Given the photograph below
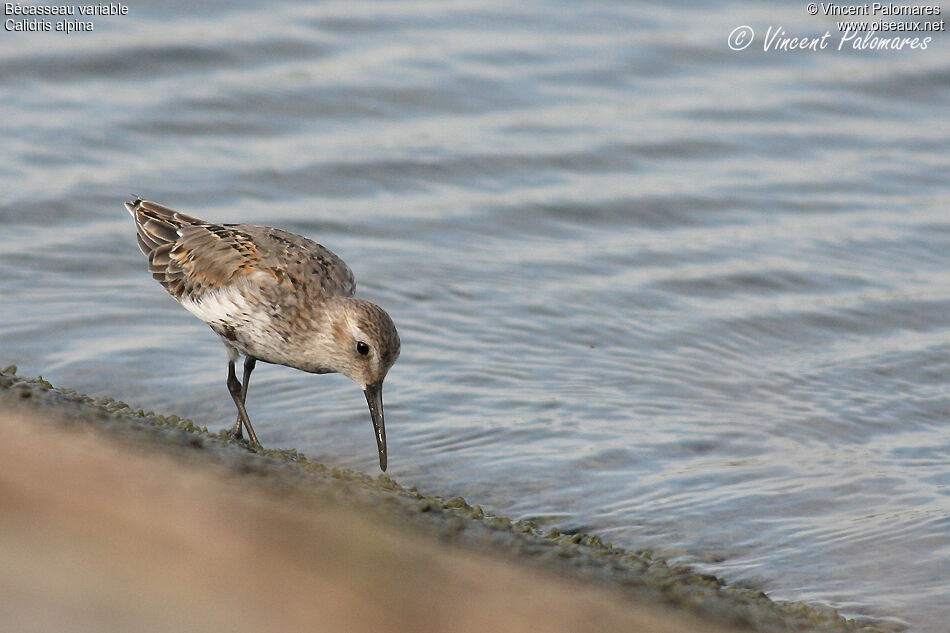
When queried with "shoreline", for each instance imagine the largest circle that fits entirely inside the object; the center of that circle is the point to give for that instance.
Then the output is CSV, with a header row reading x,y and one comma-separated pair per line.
x,y
478,571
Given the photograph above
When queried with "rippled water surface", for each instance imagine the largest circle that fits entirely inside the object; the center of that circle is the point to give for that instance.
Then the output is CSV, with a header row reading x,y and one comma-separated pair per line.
x,y
688,298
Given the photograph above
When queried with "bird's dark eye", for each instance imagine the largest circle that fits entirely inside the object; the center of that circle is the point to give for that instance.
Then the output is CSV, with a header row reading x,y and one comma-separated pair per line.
x,y
362,348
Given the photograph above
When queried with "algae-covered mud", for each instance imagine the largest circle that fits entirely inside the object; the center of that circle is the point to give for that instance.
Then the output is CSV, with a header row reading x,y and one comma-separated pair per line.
x,y
447,563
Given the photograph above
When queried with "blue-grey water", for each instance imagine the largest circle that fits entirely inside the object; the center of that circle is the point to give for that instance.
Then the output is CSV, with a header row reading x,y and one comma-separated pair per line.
x,y
689,298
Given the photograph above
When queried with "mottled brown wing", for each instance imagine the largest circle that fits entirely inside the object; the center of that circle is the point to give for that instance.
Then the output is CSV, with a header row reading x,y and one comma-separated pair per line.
x,y
190,256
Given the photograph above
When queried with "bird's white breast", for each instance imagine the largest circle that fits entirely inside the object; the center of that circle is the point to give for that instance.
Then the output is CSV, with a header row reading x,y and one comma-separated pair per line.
x,y
251,328
223,306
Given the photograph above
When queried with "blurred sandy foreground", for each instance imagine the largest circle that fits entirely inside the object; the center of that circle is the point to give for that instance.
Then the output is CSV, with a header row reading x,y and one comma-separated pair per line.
x,y
110,523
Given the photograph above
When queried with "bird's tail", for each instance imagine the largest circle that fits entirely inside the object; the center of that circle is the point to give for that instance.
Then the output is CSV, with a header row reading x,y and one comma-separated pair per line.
x,y
133,205
157,225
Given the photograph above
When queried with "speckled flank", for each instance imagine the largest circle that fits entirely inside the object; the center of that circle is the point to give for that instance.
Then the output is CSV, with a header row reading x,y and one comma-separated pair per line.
x,y
272,296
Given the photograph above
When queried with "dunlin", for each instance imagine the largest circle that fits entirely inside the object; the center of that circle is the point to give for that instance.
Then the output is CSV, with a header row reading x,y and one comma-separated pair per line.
x,y
271,296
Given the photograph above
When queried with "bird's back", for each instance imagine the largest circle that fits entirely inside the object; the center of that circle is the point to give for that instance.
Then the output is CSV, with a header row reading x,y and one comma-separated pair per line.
x,y
191,257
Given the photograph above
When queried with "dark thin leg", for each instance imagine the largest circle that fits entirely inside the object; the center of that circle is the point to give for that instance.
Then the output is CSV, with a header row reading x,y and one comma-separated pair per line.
x,y
235,431
238,394
249,363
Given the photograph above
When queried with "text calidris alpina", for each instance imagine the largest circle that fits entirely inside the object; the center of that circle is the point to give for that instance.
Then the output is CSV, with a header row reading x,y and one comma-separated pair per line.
x,y
272,296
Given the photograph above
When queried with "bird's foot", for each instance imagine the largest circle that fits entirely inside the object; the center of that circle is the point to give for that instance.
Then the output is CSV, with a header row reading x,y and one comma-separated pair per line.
x,y
238,438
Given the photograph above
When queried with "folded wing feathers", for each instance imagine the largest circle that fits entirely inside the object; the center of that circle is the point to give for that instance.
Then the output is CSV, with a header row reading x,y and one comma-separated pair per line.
x,y
175,242
190,256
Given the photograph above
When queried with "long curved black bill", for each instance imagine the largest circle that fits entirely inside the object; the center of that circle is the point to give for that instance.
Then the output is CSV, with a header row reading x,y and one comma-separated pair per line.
x,y
374,398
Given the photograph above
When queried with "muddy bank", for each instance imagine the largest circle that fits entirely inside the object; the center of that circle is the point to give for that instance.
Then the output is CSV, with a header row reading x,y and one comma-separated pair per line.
x,y
114,519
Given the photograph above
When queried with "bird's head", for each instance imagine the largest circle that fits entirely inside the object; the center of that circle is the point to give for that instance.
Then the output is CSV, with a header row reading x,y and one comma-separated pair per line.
x,y
367,345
